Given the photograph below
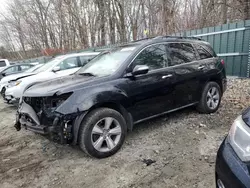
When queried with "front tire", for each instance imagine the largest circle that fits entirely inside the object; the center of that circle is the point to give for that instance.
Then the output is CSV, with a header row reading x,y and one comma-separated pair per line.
x,y
102,132
210,98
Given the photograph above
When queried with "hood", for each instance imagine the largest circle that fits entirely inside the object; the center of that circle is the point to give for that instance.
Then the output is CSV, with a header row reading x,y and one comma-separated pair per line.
x,y
58,85
16,76
246,116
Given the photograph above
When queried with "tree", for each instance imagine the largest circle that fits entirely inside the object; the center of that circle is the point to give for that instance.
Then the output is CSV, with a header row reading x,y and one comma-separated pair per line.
x,y
30,27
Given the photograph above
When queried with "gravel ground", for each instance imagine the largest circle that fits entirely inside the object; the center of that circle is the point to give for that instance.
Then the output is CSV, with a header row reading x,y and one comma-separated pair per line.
x,y
182,144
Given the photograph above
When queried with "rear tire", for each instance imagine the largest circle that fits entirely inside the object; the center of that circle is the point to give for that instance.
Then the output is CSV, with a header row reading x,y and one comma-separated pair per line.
x,y
102,132
210,98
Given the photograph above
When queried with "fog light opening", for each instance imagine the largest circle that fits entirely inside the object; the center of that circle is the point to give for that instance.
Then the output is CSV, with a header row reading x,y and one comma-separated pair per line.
x,y
220,184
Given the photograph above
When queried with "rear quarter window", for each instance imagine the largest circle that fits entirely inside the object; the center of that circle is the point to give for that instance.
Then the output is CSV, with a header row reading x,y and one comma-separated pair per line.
x,y
203,52
209,49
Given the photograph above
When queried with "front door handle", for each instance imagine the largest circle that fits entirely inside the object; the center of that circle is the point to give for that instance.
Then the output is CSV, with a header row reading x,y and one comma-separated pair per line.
x,y
167,76
201,67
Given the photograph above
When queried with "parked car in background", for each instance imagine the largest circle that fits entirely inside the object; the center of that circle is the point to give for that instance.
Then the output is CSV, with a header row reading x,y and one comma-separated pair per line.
x,y
96,106
14,77
233,157
35,63
58,67
4,63
14,69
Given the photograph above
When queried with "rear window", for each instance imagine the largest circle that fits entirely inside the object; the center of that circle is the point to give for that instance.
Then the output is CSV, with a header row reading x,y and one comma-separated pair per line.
x,y
2,64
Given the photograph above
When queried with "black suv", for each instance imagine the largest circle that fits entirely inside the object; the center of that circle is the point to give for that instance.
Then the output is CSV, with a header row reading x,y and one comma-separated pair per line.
x,y
96,106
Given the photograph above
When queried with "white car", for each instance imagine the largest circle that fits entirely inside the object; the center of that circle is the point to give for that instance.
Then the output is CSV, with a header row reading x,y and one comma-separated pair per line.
x,y
11,78
57,67
4,63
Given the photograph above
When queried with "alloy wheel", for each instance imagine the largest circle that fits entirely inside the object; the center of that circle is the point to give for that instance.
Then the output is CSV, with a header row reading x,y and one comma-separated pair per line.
x,y
213,98
106,134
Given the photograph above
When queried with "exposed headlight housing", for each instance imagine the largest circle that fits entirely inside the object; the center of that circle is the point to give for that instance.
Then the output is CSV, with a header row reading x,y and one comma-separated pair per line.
x,y
239,139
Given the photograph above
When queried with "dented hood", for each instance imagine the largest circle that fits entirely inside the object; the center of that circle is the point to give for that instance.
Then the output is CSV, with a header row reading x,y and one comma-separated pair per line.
x,y
57,86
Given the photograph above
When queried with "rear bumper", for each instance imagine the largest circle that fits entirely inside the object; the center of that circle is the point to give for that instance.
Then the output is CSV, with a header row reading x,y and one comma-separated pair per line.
x,y
230,169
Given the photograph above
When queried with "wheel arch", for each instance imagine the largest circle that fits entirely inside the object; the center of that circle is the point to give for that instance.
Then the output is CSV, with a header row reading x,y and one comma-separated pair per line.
x,y
118,107
218,79
112,105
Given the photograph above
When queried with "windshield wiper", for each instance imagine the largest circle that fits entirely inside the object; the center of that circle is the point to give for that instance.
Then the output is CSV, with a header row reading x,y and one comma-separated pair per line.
x,y
87,74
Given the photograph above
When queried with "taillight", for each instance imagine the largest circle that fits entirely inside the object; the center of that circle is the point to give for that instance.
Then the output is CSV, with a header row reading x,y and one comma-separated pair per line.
x,y
222,62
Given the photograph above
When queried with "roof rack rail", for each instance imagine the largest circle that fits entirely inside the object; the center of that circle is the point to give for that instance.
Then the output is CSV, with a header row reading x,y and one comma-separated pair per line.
x,y
179,37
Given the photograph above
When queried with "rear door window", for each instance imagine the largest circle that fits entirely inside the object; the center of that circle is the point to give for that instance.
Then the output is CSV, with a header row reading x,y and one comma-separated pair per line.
x,y
155,57
204,54
2,64
180,53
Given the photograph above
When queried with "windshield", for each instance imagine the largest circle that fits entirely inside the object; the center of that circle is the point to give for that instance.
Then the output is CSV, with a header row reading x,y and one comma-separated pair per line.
x,y
47,65
33,69
107,63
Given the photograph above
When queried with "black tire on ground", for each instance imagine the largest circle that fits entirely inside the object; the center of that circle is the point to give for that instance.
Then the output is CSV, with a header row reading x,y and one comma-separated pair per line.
x,y
87,125
202,105
3,92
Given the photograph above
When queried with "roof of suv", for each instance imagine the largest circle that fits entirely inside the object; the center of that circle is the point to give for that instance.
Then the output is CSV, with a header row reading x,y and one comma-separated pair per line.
x,y
152,40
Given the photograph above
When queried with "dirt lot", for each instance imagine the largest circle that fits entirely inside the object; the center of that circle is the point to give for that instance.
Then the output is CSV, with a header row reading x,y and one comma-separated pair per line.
x,y
183,144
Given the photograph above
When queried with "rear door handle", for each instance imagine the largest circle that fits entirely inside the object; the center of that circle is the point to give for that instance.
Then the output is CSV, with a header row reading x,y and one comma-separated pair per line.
x,y
201,67
167,76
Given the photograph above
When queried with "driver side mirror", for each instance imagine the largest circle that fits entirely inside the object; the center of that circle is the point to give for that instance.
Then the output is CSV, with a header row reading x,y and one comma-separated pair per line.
x,y
140,69
3,74
56,69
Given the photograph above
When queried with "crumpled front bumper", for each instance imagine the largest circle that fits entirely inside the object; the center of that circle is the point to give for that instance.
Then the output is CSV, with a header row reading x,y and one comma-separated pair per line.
x,y
62,129
28,118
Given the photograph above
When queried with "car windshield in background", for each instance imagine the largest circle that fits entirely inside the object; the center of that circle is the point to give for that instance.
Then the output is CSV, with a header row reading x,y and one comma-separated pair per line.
x,y
108,63
47,65
33,69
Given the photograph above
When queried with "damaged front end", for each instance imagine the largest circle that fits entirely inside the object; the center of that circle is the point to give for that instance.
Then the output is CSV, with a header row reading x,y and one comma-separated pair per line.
x,y
38,114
